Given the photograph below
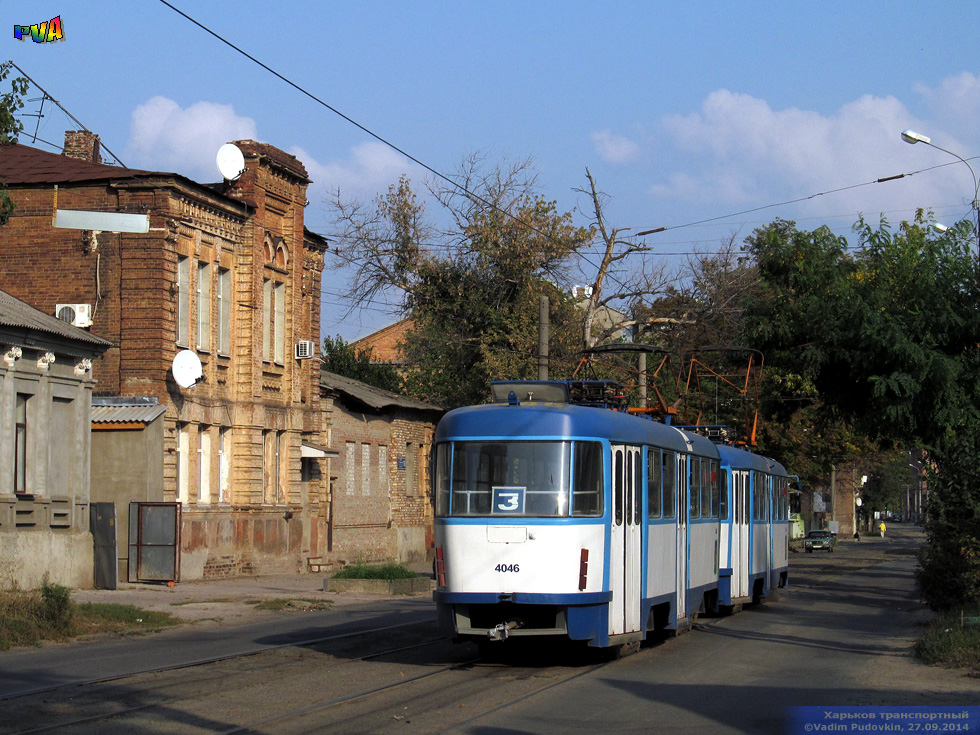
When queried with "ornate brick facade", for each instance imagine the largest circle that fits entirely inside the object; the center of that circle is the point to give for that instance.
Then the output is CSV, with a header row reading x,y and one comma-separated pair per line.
x,y
227,271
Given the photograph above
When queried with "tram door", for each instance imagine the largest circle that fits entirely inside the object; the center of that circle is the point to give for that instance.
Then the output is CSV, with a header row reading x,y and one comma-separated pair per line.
x,y
740,535
769,509
683,509
625,546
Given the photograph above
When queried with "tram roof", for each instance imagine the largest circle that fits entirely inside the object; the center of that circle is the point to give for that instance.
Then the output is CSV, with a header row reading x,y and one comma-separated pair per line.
x,y
561,421
741,459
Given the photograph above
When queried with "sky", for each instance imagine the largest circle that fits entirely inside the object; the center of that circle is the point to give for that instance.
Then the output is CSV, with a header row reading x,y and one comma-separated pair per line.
x,y
725,114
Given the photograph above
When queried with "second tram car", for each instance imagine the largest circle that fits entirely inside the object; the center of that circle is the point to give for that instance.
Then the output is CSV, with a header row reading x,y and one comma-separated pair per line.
x,y
558,517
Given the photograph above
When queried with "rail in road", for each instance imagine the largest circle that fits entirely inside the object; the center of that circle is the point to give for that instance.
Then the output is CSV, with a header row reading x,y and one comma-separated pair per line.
x,y
840,635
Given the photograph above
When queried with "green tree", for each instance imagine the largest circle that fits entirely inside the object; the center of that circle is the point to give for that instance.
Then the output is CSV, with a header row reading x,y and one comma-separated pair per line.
x,y
10,126
888,483
341,358
472,289
884,334
887,337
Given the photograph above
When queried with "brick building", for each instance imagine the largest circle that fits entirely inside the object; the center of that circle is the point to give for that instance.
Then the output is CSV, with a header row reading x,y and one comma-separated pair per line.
x,y
384,344
227,271
379,484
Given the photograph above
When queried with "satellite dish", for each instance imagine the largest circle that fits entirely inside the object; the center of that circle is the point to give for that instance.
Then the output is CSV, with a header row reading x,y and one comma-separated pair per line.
x,y
187,369
231,162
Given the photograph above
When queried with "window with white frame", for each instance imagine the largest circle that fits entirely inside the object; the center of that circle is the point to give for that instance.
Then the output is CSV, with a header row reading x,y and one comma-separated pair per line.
x,y
183,299
204,306
224,464
279,322
280,460
183,463
224,311
204,465
276,257
20,444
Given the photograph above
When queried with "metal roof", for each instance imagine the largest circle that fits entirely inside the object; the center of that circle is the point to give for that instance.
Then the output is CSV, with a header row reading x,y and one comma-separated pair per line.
x,y
22,164
125,414
370,396
15,313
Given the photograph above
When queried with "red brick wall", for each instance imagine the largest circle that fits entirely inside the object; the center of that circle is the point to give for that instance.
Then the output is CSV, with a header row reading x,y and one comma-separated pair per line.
x,y
385,514
383,344
130,280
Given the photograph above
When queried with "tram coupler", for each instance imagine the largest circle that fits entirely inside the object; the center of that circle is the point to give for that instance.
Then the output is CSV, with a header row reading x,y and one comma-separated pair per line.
x,y
502,630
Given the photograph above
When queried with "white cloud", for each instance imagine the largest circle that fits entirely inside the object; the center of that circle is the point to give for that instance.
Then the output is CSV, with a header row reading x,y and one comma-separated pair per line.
x,y
740,152
615,148
165,137
957,103
369,170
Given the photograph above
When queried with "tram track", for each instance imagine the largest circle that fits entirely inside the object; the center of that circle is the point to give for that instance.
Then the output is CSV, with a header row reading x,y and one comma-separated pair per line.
x,y
445,698
319,686
404,676
202,661
123,703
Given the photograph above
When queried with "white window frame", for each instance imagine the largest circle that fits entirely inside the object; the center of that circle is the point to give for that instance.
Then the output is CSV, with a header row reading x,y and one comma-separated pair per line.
x,y
203,306
183,299
224,311
224,464
183,463
204,465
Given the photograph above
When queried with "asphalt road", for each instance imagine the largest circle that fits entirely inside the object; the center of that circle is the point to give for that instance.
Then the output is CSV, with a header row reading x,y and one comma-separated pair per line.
x,y
840,635
26,670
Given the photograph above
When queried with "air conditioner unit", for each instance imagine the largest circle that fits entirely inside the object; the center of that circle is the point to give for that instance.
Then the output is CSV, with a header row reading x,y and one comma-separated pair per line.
x,y
78,315
305,349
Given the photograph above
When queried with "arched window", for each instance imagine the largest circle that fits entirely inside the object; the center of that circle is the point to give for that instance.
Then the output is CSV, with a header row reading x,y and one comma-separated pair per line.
x,y
276,256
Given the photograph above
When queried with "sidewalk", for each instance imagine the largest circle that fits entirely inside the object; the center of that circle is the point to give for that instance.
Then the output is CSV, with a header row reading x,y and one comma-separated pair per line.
x,y
230,600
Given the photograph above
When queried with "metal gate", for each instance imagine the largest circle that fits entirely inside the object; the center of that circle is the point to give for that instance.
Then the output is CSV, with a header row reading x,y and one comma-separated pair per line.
x,y
102,524
154,542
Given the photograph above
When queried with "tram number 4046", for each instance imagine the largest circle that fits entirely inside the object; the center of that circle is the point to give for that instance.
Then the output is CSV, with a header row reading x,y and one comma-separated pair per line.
x,y
507,568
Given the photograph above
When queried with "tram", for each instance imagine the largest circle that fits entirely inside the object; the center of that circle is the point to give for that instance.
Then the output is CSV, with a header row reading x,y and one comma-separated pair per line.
x,y
556,516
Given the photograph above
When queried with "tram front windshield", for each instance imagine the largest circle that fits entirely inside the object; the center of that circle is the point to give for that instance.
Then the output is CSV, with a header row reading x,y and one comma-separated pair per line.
x,y
546,479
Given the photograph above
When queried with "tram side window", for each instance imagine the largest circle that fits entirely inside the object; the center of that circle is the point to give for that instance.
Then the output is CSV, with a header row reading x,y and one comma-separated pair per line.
x,y
669,474
708,497
442,480
654,491
714,479
587,484
757,497
695,486
722,494
637,494
762,490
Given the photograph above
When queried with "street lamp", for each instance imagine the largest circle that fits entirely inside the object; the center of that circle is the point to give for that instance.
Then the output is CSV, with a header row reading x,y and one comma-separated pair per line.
x,y
912,137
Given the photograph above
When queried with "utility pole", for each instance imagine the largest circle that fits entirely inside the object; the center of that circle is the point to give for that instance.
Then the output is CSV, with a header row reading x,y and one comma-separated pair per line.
x,y
543,337
643,380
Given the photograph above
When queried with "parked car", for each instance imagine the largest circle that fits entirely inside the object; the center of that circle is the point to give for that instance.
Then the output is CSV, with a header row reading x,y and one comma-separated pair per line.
x,y
816,540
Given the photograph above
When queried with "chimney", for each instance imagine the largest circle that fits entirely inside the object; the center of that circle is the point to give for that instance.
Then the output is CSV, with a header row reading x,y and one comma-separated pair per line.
x,y
82,144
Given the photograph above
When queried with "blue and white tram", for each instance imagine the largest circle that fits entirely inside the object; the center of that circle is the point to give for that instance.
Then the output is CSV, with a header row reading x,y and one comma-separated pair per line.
x,y
755,533
569,520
